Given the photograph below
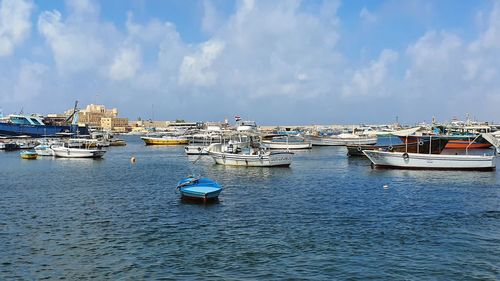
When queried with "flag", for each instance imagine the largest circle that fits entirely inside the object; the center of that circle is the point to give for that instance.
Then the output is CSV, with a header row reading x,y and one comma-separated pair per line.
x,y
237,118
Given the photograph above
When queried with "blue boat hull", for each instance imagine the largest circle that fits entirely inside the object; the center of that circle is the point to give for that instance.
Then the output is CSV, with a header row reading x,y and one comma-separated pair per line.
x,y
201,189
9,129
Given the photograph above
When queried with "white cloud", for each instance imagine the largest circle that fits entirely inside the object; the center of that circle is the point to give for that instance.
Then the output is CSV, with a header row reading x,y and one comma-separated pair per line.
x,y
15,24
75,46
367,16
210,22
126,63
30,81
195,69
372,79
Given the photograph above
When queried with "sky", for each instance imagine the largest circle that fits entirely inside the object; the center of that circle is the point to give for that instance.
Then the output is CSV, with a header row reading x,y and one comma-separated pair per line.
x,y
275,62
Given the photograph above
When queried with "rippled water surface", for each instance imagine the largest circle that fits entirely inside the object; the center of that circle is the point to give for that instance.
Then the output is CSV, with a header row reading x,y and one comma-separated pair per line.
x,y
325,217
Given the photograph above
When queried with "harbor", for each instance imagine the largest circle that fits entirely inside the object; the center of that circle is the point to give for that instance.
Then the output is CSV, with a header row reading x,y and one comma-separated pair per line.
x,y
249,140
299,197
326,213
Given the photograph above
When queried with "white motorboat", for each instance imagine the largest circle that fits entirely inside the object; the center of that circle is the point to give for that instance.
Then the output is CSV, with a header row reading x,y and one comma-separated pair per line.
x,y
44,150
232,155
287,142
342,139
430,161
67,151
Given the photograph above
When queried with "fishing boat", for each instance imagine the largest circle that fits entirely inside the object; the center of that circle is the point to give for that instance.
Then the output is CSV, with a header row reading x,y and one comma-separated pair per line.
x,y
44,150
117,142
405,160
418,145
165,140
287,142
342,140
234,155
203,189
28,154
456,141
67,151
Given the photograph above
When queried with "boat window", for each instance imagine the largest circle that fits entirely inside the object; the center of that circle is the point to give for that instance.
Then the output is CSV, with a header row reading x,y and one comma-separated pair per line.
x,y
20,120
35,121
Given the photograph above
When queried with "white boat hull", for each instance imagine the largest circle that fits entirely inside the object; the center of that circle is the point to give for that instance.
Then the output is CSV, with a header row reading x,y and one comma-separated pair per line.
x,y
336,141
281,158
66,152
195,150
44,152
430,161
290,145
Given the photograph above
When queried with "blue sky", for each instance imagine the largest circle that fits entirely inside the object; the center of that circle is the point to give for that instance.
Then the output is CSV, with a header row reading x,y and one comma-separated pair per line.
x,y
276,62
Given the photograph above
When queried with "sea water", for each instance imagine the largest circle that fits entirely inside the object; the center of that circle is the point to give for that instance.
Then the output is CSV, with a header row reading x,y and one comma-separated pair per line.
x,y
325,217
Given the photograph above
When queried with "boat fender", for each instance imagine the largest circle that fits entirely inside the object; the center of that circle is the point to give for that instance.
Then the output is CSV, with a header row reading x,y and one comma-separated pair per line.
x,y
421,142
406,156
186,148
260,154
199,149
390,148
359,148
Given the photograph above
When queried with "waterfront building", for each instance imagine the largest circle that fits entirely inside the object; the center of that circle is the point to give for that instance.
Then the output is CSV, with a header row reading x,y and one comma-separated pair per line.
x,y
115,124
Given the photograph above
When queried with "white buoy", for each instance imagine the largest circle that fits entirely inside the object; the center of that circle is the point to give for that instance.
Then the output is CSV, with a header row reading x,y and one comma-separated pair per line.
x,y
132,159
386,186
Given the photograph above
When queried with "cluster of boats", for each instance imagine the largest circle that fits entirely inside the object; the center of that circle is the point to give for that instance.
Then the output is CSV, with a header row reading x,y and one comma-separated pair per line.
x,y
70,148
417,148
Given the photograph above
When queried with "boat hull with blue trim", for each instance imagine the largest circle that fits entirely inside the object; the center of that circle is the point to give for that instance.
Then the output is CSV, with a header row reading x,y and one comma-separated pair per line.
x,y
8,129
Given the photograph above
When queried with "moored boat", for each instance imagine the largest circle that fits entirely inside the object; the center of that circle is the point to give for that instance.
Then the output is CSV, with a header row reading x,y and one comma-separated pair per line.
x,y
203,189
117,142
248,156
287,142
342,140
165,140
67,151
44,150
419,145
404,160
28,154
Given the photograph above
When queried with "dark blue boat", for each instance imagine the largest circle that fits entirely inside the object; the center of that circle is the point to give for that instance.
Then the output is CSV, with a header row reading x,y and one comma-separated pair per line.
x,y
203,189
17,125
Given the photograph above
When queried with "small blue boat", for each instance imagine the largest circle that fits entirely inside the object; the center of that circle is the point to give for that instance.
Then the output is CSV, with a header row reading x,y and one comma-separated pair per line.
x,y
203,189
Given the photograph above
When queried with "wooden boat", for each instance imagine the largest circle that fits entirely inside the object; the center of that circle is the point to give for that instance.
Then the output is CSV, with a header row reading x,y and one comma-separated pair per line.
x,y
455,142
342,140
165,140
248,156
404,160
28,154
287,142
203,189
420,145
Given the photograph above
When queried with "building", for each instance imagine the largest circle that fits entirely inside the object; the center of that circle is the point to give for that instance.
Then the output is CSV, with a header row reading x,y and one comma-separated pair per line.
x,y
115,124
55,119
99,117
